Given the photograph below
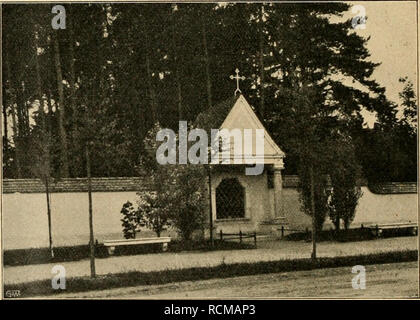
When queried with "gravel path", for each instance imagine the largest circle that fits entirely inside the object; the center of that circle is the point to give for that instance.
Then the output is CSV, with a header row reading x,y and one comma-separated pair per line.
x,y
396,280
267,251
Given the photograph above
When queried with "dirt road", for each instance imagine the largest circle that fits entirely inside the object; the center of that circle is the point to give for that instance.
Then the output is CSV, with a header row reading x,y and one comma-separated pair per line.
x,y
396,280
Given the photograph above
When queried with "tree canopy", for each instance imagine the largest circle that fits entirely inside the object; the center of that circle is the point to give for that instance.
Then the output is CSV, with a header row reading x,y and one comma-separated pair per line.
x,y
117,69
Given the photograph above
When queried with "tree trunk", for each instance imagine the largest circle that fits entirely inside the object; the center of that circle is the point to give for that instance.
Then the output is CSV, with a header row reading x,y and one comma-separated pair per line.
x,y
152,96
22,113
337,223
177,78
39,85
50,113
43,125
6,134
14,121
314,226
346,224
91,236
149,77
336,227
61,113
261,63
72,82
47,191
206,60
210,208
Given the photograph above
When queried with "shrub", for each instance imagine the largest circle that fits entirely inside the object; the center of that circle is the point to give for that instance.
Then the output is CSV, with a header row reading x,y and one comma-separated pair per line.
x,y
131,221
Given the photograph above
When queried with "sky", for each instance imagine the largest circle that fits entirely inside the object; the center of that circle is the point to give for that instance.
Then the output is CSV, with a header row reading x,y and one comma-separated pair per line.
x,y
392,27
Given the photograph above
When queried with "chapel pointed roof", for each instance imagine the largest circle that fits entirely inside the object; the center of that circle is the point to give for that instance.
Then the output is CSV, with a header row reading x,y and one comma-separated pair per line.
x,y
213,117
236,113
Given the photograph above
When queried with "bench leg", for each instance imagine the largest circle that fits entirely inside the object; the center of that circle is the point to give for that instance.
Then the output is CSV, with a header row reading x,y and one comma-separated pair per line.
x,y
111,250
164,247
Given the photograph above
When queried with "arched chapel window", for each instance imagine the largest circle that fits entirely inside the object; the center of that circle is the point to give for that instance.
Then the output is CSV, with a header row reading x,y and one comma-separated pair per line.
x,y
230,199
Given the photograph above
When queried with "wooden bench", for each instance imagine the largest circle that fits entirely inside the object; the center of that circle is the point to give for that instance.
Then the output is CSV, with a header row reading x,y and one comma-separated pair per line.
x,y
112,244
378,228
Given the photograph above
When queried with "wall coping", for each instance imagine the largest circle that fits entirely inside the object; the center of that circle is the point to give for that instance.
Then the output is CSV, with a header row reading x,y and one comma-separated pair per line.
x,y
126,184
117,184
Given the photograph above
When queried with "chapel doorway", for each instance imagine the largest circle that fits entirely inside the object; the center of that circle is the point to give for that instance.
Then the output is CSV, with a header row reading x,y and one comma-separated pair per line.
x,y
230,199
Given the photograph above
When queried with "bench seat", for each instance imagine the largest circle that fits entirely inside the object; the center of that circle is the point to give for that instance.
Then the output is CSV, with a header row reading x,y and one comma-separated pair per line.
x,y
111,244
378,229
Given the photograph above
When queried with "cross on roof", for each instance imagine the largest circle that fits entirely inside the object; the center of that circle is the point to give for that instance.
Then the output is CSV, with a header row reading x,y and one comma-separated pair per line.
x,y
237,77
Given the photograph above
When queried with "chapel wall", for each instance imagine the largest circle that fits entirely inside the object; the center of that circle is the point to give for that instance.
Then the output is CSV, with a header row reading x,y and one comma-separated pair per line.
x,y
258,202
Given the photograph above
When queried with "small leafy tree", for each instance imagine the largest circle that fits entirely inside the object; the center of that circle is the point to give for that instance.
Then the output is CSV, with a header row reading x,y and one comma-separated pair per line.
x,y
308,143
179,194
155,211
189,201
131,221
321,193
344,173
155,206
39,151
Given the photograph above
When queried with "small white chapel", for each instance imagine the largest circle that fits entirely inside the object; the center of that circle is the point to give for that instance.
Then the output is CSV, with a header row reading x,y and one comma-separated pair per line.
x,y
241,202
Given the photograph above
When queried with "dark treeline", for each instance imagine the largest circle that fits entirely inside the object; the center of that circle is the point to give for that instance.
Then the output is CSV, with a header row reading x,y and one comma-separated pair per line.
x,y
118,68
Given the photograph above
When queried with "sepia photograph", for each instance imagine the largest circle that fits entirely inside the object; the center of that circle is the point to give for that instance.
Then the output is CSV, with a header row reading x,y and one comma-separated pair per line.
x,y
209,150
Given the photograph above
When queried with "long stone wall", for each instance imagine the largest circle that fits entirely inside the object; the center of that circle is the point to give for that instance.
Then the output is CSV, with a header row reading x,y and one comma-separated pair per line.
x,y
372,209
24,217
25,225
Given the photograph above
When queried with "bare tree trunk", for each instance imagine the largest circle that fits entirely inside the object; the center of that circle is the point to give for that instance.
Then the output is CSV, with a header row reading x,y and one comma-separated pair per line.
x,y
6,134
24,108
44,129
14,121
72,81
88,143
206,60
47,191
149,77
177,78
50,112
61,119
23,128
152,96
22,114
91,236
16,142
210,207
337,223
311,173
5,125
14,124
39,85
261,63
